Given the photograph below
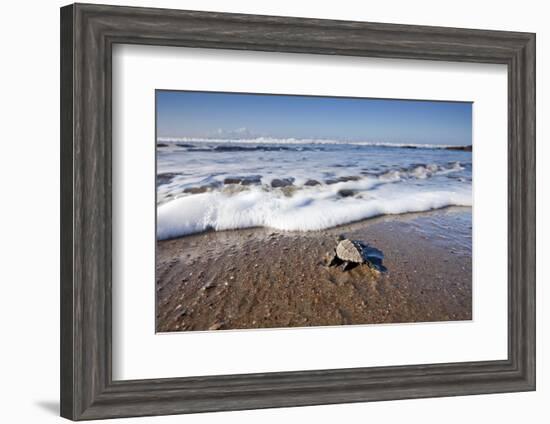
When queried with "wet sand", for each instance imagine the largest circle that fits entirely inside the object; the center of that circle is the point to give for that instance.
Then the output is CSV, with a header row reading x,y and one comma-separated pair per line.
x,y
261,278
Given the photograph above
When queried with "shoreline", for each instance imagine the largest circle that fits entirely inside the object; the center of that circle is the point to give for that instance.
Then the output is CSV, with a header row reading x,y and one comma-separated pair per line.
x,y
371,219
263,278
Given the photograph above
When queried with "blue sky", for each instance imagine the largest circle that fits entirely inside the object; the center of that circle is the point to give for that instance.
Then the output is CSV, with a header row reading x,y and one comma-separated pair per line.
x,y
234,115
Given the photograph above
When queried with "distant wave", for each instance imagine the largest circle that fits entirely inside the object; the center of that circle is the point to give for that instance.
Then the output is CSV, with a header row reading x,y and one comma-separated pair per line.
x,y
271,140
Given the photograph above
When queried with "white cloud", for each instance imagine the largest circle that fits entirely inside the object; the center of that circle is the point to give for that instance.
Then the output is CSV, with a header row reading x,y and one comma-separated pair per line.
x,y
241,133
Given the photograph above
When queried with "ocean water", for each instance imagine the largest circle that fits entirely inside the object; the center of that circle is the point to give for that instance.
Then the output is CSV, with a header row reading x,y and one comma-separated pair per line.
x,y
300,185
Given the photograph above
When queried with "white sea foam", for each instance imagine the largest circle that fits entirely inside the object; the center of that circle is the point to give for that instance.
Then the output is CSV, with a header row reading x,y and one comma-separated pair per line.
x,y
307,210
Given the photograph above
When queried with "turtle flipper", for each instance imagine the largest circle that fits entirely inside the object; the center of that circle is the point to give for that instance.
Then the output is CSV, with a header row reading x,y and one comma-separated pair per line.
x,y
332,259
347,265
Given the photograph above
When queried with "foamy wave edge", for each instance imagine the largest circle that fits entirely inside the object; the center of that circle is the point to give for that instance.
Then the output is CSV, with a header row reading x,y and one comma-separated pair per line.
x,y
217,211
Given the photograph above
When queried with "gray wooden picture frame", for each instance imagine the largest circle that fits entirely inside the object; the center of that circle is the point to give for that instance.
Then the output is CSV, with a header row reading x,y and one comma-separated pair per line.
x,y
88,33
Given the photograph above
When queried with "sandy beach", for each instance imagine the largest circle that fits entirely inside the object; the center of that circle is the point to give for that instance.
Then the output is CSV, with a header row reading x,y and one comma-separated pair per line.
x,y
261,278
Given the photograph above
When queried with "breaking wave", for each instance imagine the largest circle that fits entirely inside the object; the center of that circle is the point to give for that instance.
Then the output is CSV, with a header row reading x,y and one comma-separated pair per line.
x,y
304,211
300,185
237,202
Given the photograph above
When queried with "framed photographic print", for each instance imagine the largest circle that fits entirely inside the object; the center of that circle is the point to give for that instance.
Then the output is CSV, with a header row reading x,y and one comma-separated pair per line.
x,y
264,211
271,224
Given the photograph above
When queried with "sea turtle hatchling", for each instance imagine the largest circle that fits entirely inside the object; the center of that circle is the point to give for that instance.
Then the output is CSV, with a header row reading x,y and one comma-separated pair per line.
x,y
352,252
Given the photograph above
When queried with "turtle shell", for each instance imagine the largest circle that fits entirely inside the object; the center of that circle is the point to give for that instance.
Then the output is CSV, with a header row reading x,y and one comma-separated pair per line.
x,y
348,250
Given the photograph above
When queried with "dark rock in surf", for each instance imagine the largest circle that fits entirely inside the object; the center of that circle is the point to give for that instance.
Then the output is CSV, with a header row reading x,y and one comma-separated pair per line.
x,y
232,180
282,182
251,180
346,192
196,190
201,189
247,180
342,179
166,178
312,183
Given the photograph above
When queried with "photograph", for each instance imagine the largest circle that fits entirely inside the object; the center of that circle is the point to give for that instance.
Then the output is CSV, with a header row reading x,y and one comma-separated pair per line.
x,y
282,211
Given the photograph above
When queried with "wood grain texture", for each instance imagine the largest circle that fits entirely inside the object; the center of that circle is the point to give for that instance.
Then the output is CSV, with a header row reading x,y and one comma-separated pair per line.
x,y
88,33
66,211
